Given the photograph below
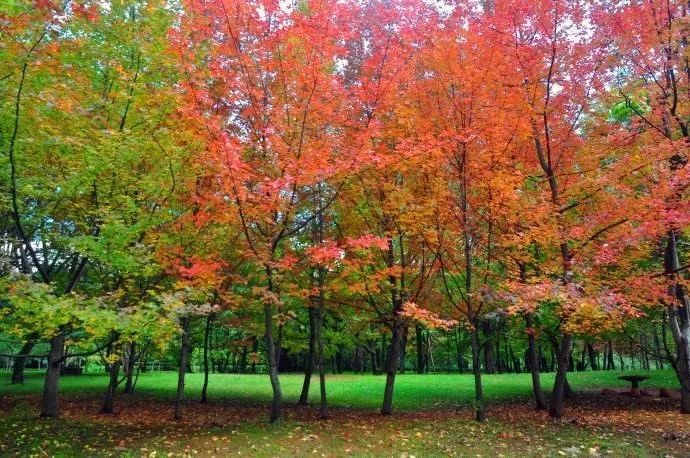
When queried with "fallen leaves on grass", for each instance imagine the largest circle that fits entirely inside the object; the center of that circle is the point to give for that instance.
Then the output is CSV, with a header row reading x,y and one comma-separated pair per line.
x,y
595,426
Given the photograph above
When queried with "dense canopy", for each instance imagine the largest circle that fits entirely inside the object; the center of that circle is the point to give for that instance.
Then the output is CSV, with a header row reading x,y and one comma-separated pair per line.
x,y
273,186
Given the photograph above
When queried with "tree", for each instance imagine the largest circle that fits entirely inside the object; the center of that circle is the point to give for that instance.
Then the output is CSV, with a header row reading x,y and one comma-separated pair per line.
x,y
82,196
650,40
274,113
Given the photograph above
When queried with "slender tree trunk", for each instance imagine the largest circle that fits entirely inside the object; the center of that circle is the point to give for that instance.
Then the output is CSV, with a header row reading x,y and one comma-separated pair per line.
x,y
255,349
131,367
568,390
658,362
392,366
374,363
109,400
476,370
420,348
678,315
683,373
20,362
309,363
534,366
49,404
207,335
184,357
321,367
272,353
460,351
558,394
243,360
608,360
592,357
403,347
489,359
141,367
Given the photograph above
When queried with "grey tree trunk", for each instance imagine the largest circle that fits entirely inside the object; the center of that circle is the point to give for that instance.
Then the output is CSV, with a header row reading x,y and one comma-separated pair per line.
x,y
533,358
479,413
392,359
678,315
109,400
321,367
272,353
184,358
559,386
49,403
418,330
207,333
130,368
309,363
20,362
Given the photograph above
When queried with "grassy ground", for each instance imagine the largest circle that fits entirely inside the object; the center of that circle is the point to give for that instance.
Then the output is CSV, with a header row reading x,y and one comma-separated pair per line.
x,y
412,391
434,419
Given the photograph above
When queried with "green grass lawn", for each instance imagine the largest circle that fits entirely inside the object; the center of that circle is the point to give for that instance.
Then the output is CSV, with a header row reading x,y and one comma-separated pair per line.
x,y
434,418
412,391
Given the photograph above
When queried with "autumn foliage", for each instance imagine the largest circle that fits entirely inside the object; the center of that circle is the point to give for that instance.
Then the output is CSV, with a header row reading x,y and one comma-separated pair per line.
x,y
345,173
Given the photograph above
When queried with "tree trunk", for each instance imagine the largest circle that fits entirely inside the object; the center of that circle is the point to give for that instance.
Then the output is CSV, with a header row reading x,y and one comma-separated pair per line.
x,y
276,404
657,351
558,394
207,335
489,360
255,350
321,367
49,404
20,362
476,370
309,363
418,330
534,366
683,373
568,391
184,357
403,348
592,357
460,351
678,315
131,367
109,400
611,363
392,366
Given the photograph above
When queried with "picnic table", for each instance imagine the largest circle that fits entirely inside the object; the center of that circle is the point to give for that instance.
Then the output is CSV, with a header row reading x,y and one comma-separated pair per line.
x,y
635,382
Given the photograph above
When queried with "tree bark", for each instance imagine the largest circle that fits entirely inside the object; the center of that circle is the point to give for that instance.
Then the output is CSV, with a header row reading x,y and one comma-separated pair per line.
x,y
392,365
592,357
418,330
403,348
272,353
49,403
131,367
559,391
20,362
109,400
184,356
489,359
207,334
309,363
678,315
321,367
533,359
479,413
